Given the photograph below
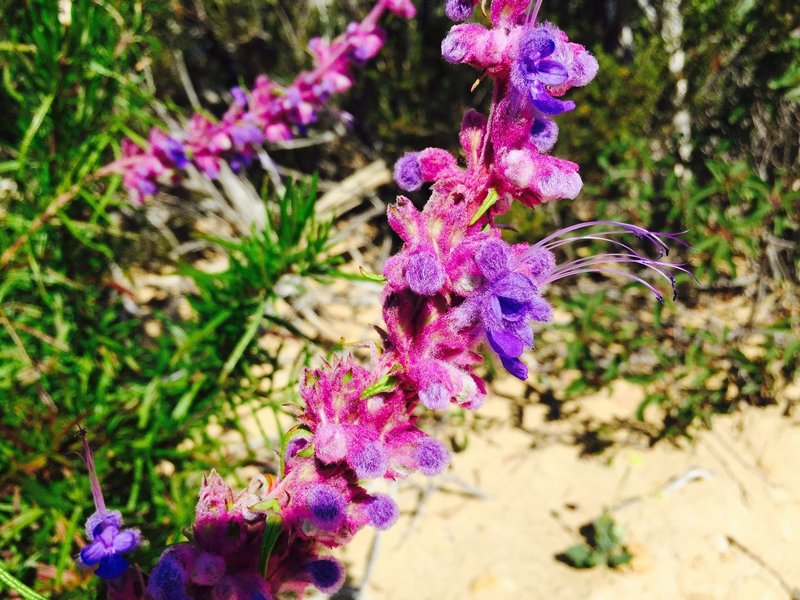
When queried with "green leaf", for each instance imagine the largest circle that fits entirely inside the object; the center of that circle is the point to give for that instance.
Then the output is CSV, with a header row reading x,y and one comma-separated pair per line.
x,y
244,341
623,557
372,276
272,530
182,407
578,556
489,201
383,385
36,123
268,505
150,395
15,585
362,276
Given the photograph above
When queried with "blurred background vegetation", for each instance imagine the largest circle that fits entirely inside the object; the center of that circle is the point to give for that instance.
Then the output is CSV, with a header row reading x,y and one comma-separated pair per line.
x,y
692,124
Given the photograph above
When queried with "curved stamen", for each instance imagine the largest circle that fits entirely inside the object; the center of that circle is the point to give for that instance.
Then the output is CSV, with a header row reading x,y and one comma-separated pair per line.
x,y
640,232
625,274
598,237
585,265
631,254
625,254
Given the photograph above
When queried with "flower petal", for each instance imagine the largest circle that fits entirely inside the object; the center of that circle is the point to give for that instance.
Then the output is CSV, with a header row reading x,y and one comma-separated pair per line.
x,y
126,540
505,343
111,567
513,310
516,367
94,553
516,287
549,105
551,72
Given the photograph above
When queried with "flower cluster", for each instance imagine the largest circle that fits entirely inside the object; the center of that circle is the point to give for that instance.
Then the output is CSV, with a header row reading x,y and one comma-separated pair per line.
x,y
531,65
454,288
227,557
270,112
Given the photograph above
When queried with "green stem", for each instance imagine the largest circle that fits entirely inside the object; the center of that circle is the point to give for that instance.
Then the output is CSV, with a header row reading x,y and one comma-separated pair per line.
x,y
16,585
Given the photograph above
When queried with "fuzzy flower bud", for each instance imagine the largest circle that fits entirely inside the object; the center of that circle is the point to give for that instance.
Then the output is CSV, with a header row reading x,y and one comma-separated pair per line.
x,y
408,173
459,10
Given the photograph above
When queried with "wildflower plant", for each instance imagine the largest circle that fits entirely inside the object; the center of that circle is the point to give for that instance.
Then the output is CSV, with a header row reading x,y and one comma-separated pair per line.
x,y
268,113
455,288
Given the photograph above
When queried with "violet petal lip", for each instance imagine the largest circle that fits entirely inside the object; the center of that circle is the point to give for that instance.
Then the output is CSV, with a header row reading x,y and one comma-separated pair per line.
x,y
505,343
93,553
111,567
549,105
516,367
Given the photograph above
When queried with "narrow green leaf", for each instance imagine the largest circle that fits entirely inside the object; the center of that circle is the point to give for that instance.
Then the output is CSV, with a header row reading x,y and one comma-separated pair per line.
x,y
384,384
182,407
272,529
64,555
36,123
15,585
491,199
244,341
150,394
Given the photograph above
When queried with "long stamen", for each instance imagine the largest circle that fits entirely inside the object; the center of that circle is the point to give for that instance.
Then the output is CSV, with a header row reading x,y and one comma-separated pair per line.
x,y
625,254
586,265
535,12
597,237
631,255
641,232
622,257
97,493
625,274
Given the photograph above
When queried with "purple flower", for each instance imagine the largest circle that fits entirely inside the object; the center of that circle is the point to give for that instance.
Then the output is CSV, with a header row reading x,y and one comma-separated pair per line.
x,y
435,397
108,541
364,44
402,8
506,305
168,150
431,456
533,71
367,458
544,134
239,97
244,134
169,577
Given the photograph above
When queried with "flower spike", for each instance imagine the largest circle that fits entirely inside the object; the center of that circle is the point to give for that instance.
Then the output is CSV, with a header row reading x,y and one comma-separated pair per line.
x,y
454,288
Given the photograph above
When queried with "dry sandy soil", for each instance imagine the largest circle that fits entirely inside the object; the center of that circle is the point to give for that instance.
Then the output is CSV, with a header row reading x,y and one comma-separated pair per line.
x,y
717,519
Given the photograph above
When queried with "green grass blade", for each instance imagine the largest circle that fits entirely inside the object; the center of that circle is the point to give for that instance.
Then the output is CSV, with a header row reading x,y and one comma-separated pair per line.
x,y
15,585
36,123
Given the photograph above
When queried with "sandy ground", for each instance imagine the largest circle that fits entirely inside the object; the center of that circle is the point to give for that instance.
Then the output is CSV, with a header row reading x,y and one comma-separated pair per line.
x,y
732,532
